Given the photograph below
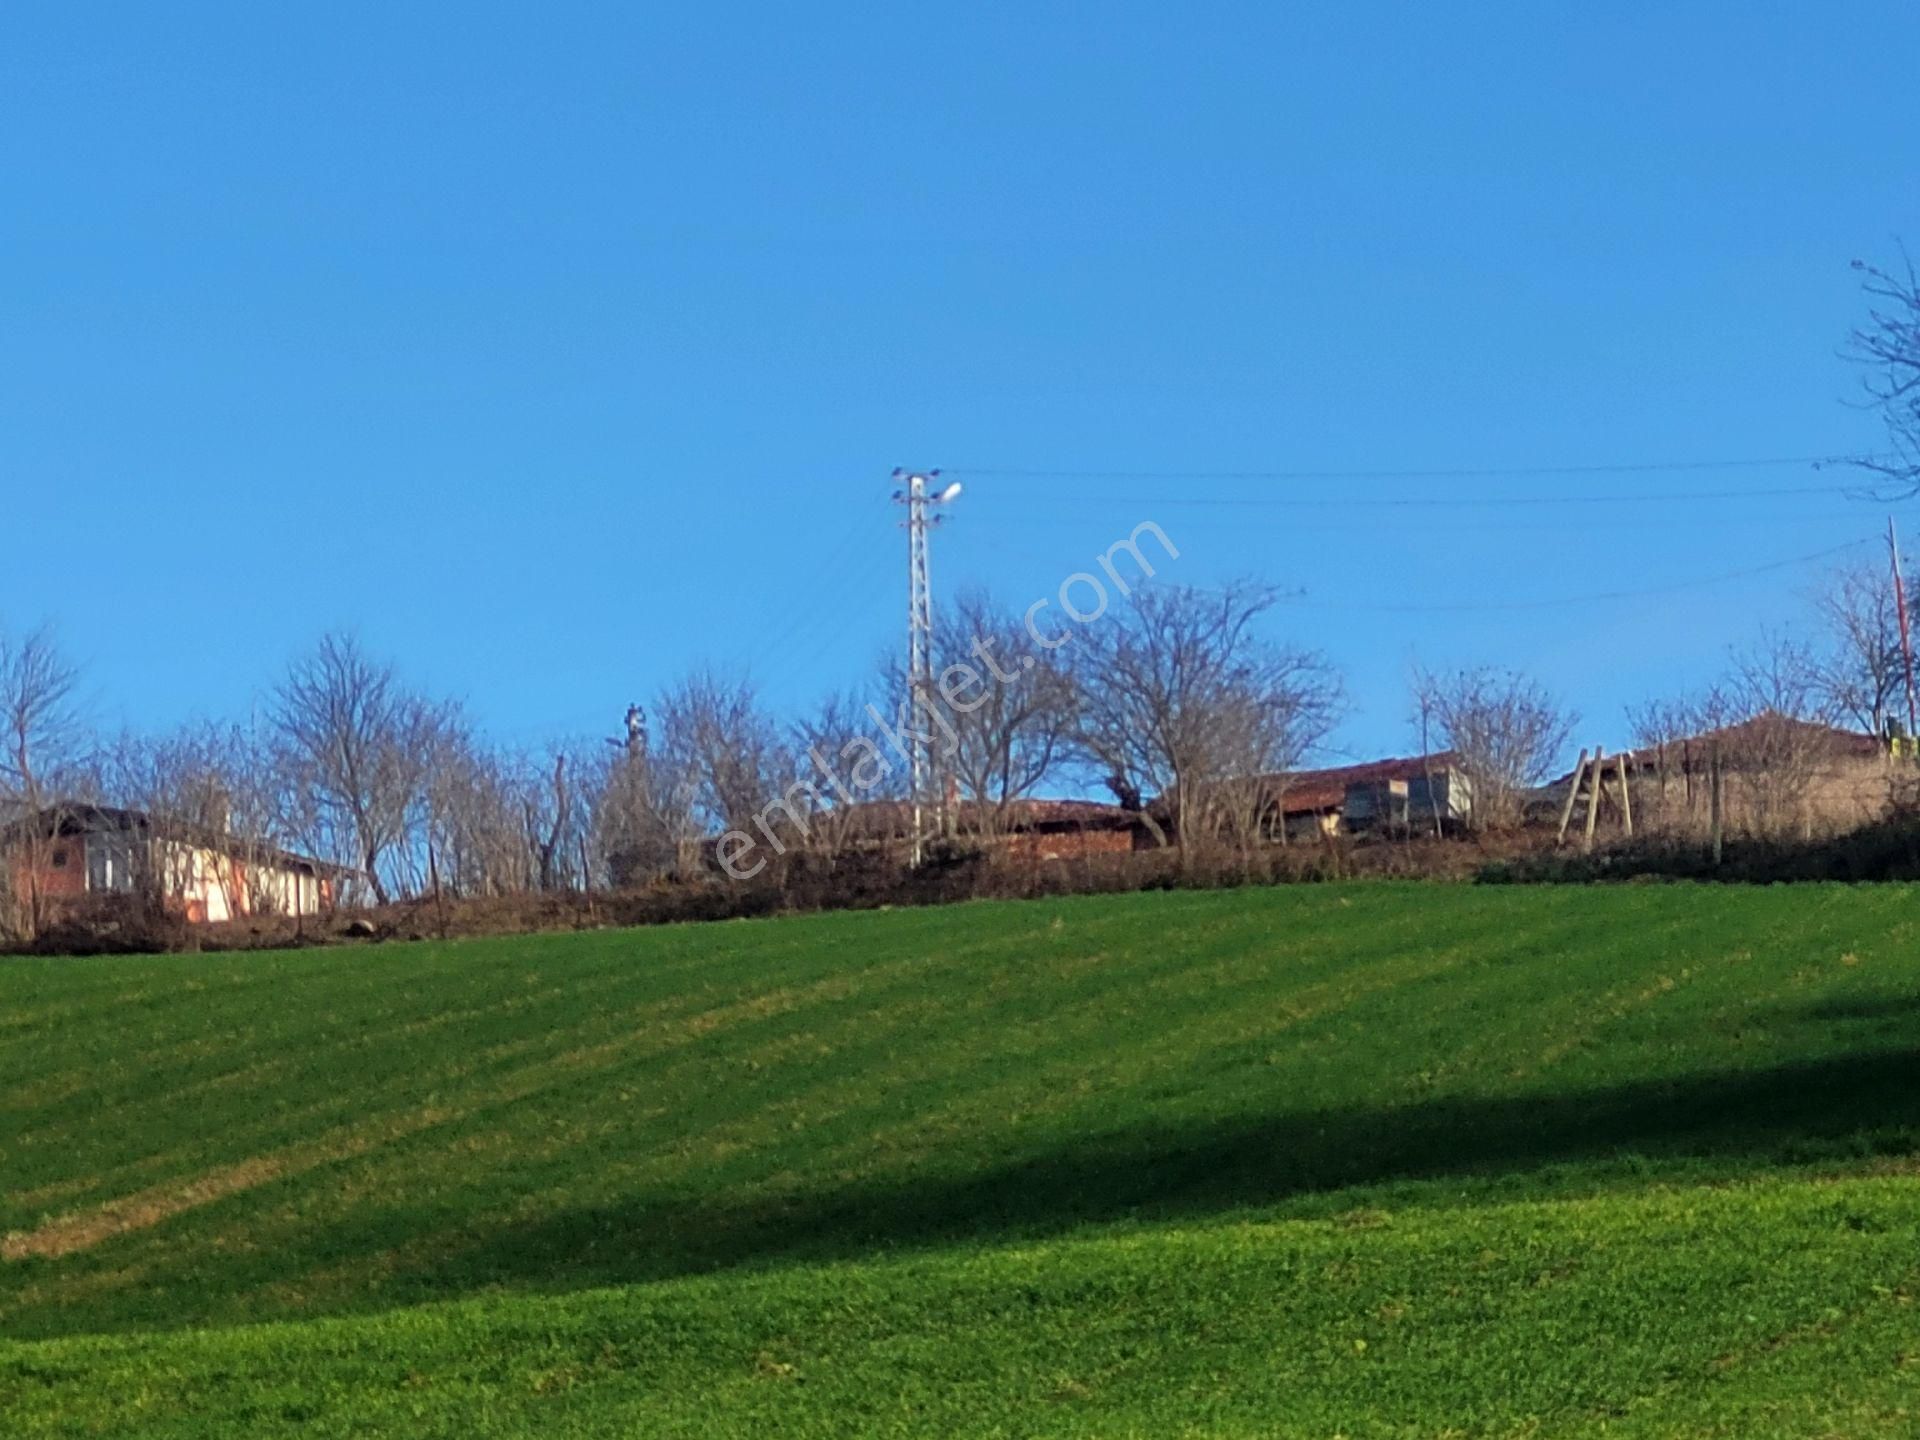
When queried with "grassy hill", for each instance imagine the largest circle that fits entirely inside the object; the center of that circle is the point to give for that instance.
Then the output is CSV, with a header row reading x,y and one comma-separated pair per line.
x,y
1382,1160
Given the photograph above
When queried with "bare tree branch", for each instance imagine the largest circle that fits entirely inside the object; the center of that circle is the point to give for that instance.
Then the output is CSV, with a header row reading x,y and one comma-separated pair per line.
x,y
1504,729
1179,697
41,738
363,746
1886,346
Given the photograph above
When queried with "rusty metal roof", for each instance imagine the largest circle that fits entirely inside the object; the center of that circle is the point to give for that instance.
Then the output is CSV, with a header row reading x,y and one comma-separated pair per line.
x,y
1307,791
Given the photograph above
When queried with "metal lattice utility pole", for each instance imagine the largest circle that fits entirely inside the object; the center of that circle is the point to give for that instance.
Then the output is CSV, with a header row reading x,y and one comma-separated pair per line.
x,y
920,497
1906,635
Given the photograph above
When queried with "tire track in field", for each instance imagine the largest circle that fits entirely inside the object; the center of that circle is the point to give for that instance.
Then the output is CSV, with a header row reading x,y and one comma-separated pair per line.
x,y
462,1066
1560,1038
155,1205
148,1208
358,1030
896,1009
345,1036
664,1010
1066,1083
1131,980
598,1058
894,1000
1701,965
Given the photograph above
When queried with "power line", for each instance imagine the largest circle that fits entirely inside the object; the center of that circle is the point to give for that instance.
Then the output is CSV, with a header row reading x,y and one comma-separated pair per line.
x,y
1483,472
1411,527
1601,597
1448,502
829,619
853,542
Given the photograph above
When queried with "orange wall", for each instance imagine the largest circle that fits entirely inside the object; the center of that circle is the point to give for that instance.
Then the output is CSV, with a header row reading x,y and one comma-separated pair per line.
x,y
53,882
1067,844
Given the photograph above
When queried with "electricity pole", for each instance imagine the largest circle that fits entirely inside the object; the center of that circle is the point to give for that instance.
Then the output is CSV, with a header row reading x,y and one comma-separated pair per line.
x,y
920,499
1906,638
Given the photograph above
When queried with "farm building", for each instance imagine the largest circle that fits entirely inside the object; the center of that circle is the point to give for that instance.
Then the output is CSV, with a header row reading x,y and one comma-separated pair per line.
x,y
1779,777
1411,793
1029,830
73,851
1070,829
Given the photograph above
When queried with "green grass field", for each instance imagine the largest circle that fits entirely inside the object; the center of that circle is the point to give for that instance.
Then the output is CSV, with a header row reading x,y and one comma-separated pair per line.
x,y
1364,1161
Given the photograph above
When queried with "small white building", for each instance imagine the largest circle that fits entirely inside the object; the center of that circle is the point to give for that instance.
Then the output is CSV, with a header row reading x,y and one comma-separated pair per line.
x,y
73,851
1405,794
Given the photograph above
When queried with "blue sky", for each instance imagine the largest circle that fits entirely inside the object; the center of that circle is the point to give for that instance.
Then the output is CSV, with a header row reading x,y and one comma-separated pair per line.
x,y
556,349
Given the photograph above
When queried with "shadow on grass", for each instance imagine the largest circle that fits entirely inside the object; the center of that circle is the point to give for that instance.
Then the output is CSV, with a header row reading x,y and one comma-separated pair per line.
x,y
1865,1007
1720,1127
1715,1127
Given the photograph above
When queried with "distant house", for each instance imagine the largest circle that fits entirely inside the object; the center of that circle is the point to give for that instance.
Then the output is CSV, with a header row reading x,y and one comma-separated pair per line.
x,y
72,851
1405,794
1779,776
1070,829
1028,830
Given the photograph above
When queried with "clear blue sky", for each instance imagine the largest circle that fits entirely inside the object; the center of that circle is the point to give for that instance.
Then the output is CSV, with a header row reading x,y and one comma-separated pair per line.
x,y
555,348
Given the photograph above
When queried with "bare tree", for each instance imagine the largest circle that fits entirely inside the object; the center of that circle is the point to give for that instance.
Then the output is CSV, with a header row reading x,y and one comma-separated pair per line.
x,y
364,747
476,804
549,811
39,750
203,787
639,816
1180,697
728,751
1008,710
1861,672
1766,727
39,713
1887,348
1780,737
1505,731
1258,746
831,744
1669,730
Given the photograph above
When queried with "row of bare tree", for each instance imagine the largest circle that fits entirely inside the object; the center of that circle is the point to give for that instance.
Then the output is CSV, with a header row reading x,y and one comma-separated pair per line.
x,y
1178,695
1178,704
